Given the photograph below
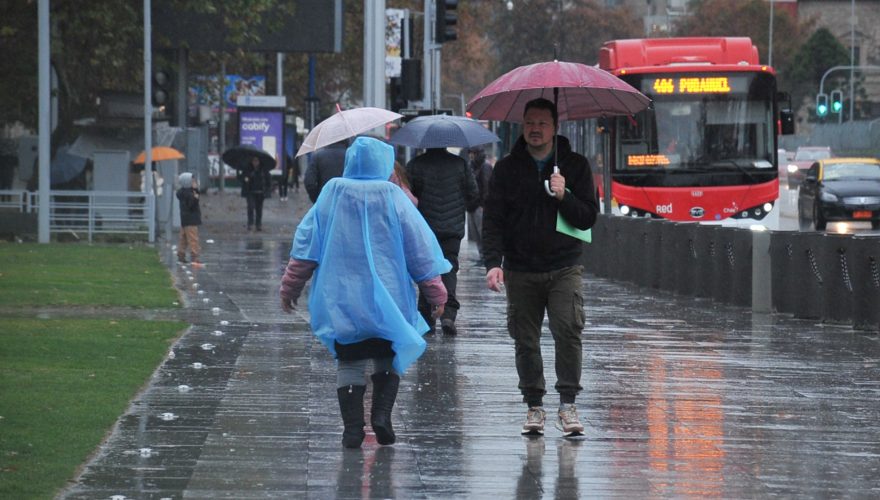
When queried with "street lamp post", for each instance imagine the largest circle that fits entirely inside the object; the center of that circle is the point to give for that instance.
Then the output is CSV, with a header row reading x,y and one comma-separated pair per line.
x,y
770,45
852,57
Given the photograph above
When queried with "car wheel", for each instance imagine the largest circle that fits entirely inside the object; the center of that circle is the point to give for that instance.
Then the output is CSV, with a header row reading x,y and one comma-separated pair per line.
x,y
804,224
817,218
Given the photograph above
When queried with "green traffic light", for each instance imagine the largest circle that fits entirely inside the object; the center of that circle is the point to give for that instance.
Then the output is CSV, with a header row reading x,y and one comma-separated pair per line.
x,y
836,106
822,110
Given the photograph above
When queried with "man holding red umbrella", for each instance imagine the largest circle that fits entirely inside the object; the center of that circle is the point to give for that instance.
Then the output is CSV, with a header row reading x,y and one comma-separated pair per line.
x,y
539,266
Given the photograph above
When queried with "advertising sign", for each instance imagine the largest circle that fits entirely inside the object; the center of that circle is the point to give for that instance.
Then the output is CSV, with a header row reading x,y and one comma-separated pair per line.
x,y
263,129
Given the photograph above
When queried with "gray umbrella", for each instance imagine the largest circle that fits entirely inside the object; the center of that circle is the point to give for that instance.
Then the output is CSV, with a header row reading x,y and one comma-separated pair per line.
x,y
440,131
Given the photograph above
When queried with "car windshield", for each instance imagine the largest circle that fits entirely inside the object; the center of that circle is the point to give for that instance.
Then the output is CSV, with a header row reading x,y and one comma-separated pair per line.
x,y
812,154
852,170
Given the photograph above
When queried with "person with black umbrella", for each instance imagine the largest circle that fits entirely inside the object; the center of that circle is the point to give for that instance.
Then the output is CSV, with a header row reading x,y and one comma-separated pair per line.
x,y
445,187
256,184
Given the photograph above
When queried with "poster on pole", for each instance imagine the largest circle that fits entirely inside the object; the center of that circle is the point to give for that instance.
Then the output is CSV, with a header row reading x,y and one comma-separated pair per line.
x,y
393,41
264,129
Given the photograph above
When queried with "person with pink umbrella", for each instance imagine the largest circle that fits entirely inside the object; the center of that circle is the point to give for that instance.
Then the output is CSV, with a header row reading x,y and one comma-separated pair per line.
x,y
538,265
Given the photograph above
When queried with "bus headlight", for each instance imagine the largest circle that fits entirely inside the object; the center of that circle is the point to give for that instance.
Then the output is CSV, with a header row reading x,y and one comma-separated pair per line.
x,y
624,209
768,207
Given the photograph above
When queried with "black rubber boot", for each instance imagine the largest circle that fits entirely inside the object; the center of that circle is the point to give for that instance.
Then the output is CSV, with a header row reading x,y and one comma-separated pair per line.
x,y
385,386
351,405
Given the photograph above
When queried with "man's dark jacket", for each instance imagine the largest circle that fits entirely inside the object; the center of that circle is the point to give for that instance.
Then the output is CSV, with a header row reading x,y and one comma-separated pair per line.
x,y
519,219
259,183
190,213
326,164
445,187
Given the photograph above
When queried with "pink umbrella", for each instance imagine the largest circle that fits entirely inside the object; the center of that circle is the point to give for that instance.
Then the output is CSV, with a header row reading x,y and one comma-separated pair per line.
x,y
345,124
579,91
583,92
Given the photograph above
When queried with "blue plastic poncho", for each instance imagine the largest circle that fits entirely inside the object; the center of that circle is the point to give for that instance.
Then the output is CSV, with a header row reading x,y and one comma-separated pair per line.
x,y
370,243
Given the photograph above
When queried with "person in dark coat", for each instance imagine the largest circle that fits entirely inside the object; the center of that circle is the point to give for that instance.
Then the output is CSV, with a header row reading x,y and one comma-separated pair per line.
x,y
190,218
482,170
446,189
256,183
539,266
326,164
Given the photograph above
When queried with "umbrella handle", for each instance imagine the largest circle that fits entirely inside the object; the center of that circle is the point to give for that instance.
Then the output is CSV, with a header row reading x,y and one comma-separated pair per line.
x,y
547,183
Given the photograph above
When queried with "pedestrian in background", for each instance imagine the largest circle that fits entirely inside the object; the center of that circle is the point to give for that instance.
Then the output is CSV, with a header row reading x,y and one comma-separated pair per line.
x,y
284,181
482,170
190,218
365,243
541,270
399,177
326,164
446,189
256,182
293,178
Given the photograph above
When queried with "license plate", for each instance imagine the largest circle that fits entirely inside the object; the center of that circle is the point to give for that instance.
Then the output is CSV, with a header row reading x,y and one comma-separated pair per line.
x,y
862,214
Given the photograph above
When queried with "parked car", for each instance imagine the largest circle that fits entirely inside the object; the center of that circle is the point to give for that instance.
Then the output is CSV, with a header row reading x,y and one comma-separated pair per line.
x,y
803,158
840,189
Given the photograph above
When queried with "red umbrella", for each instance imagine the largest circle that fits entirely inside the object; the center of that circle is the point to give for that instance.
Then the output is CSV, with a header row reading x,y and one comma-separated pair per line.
x,y
583,92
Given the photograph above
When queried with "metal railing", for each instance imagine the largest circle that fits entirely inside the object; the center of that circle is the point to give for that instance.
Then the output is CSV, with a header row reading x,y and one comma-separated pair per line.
x,y
88,212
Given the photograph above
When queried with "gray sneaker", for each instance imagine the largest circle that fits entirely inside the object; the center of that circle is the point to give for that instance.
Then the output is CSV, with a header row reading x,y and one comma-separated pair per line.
x,y
568,421
534,421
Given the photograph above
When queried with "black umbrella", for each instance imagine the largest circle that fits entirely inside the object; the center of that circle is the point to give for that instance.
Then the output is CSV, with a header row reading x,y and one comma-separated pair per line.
x,y
239,157
440,131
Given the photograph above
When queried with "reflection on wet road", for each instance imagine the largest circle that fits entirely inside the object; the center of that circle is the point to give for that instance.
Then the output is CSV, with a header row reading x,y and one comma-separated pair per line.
x,y
683,398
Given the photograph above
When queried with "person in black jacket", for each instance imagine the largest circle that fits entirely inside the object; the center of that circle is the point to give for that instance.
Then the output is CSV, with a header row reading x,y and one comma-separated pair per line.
x,y
445,187
482,170
325,164
540,267
256,184
190,218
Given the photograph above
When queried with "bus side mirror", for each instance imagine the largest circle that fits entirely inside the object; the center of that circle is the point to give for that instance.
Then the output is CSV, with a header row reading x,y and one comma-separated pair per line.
x,y
786,122
786,115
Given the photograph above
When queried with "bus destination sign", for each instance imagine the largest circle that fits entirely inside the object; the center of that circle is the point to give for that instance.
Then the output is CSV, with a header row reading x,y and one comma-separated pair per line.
x,y
694,85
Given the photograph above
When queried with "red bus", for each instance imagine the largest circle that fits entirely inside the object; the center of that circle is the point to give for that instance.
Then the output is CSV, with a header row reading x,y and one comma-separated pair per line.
x,y
705,150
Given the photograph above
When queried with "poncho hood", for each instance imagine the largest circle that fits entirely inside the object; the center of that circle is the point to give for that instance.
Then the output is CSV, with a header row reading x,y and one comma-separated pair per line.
x,y
368,158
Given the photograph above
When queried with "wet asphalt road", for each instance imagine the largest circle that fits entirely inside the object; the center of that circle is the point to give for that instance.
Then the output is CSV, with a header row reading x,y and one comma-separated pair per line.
x,y
682,398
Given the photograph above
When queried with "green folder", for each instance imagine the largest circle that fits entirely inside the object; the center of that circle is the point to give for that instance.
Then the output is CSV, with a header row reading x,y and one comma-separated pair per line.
x,y
564,227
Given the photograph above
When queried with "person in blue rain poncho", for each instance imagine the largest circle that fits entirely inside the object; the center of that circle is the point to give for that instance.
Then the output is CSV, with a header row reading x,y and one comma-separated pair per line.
x,y
366,243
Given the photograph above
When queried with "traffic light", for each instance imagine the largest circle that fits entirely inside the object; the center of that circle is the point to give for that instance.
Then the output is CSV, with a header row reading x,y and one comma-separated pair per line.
x,y
162,92
836,101
445,20
822,105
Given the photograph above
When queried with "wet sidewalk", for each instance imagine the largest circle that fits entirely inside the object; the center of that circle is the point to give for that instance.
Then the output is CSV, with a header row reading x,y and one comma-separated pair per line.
x,y
682,398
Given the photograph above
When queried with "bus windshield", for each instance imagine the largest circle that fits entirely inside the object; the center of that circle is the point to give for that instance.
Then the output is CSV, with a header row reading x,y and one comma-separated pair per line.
x,y
699,122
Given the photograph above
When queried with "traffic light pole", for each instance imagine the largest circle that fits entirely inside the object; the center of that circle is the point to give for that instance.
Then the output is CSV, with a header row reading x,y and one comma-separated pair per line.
x,y
851,97
428,55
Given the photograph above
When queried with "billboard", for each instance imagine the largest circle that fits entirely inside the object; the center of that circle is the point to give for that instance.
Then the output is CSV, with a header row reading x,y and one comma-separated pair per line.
x,y
264,129
310,26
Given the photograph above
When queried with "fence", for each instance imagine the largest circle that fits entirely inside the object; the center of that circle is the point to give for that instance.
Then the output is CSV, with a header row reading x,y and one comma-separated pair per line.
x,y
828,277
858,138
87,212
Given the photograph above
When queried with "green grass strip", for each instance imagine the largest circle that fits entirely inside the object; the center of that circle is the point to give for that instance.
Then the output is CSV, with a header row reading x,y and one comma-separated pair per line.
x,y
63,384
88,275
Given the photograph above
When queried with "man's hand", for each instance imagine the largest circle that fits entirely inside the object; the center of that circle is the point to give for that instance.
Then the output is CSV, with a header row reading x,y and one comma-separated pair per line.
x,y
557,185
287,305
437,311
495,279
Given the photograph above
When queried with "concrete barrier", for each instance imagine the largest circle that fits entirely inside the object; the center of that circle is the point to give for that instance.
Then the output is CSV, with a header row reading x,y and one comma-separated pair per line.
x,y
833,278
865,274
835,262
